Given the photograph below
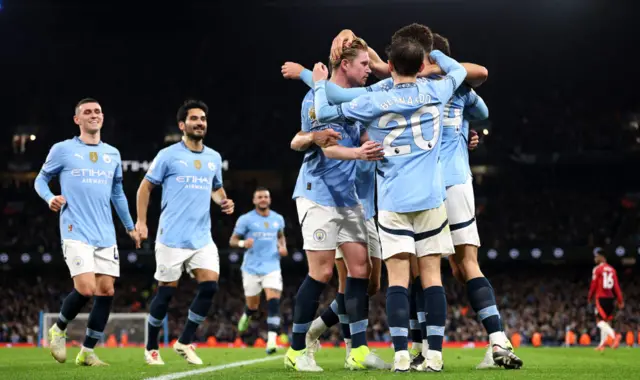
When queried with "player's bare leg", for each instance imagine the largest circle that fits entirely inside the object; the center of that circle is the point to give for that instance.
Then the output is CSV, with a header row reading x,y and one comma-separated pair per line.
x,y
84,287
417,321
482,299
306,305
398,269
356,257
606,332
273,318
436,311
157,313
207,287
98,318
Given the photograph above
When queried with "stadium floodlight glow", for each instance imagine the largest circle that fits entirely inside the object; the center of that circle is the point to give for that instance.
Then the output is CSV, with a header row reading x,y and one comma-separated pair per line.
x,y
514,253
132,257
46,258
32,137
297,257
620,251
234,257
485,131
558,253
596,250
4,258
492,254
25,257
536,253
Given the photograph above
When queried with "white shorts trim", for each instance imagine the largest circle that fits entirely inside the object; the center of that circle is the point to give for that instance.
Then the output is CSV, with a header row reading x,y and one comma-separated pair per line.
x,y
461,210
324,228
421,233
254,283
373,241
84,258
171,262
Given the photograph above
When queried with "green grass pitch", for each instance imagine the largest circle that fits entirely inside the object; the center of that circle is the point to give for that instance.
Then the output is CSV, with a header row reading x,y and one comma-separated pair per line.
x,y
128,363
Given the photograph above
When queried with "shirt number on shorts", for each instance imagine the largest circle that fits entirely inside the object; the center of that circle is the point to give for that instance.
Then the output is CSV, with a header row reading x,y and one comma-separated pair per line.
x,y
416,131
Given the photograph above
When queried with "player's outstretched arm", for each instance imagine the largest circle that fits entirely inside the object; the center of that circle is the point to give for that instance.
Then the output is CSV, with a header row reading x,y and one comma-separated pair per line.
x,y
476,74
324,138
378,67
456,74
142,203
369,151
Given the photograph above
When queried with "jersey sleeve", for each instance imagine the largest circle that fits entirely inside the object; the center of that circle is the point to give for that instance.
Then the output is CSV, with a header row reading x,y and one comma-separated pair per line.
x,y
594,284
307,114
217,179
54,163
118,173
158,168
242,226
475,108
455,75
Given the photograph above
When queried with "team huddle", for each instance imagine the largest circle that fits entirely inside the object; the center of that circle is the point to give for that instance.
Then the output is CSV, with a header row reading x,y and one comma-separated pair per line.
x,y
404,140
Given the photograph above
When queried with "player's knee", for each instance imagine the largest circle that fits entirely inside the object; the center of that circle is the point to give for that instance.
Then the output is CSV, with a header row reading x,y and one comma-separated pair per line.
x,y
86,290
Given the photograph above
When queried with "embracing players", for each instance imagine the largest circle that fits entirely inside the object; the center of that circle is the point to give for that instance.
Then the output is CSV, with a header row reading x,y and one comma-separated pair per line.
x,y
191,176
90,174
261,232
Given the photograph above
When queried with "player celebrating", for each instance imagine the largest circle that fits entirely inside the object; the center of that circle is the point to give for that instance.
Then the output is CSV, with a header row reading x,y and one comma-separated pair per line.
x,y
412,216
331,216
190,175
90,174
604,283
263,232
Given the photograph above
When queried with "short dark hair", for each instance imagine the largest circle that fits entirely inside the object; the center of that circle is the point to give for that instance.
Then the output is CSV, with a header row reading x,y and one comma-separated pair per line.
x,y
85,101
406,55
419,32
442,44
190,104
260,188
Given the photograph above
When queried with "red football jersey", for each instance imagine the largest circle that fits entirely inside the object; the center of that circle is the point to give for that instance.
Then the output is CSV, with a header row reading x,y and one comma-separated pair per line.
x,y
604,283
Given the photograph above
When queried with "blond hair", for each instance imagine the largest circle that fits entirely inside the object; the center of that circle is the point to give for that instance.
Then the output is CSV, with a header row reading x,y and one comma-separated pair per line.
x,y
350,53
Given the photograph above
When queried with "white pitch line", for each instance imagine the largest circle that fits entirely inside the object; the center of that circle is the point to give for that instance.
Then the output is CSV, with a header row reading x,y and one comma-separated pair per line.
x,y
179,375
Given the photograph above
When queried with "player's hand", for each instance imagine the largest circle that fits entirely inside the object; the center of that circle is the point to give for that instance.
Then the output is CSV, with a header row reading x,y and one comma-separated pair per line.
x,y
325,138
370,151
135,236
227,206
342,40
474,140
292,70
621,305
142,230
248,243
282,250
320,72
56,203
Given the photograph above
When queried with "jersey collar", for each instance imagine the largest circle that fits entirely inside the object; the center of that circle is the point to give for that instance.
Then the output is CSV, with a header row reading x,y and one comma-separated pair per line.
x,y
404,85
187,148
77,139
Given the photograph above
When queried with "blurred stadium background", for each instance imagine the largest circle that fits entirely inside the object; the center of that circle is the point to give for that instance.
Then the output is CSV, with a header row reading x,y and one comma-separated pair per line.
x,y
556,174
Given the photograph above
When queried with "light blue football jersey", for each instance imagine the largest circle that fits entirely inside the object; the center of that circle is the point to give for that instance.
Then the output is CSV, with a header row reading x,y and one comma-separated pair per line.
x,y
455,129
366,186
323,180
405,120
263,257
90,179
187,179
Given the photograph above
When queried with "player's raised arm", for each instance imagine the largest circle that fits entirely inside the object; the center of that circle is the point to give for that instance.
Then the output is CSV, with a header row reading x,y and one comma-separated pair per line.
x,y
456,74
51,168
121,205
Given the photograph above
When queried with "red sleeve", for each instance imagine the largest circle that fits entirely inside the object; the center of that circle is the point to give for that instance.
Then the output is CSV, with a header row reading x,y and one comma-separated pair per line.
x,y
594,285
616,287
